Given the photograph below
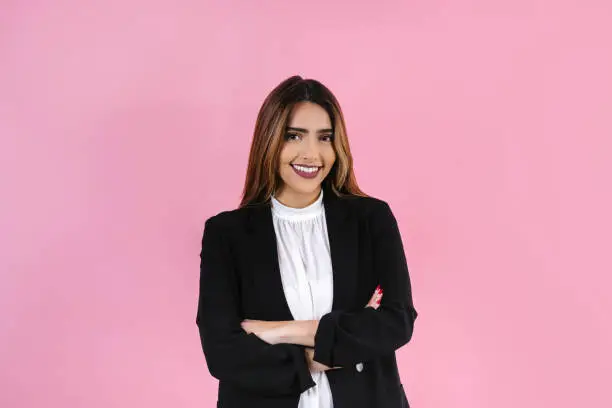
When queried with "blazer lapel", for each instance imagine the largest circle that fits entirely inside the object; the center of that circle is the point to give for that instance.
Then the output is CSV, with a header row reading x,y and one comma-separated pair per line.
x,y
343,240
265,254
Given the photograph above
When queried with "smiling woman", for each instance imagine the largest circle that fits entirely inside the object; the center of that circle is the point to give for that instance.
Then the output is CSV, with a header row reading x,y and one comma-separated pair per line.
x,y
285,277
300,131
307,156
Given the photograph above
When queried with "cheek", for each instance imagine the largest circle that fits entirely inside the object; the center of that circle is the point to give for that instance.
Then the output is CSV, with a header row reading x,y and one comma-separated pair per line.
x,y
329,156
287,154
286,157
285,173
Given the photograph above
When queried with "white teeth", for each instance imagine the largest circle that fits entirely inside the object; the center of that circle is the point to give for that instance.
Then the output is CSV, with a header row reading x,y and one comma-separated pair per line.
x,y
306,169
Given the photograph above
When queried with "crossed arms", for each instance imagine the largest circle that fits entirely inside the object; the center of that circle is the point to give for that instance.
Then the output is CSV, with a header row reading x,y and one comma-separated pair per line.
x,y
276,358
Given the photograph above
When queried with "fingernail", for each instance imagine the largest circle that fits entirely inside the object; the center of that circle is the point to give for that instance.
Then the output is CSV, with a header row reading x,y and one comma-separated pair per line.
x,y
378,288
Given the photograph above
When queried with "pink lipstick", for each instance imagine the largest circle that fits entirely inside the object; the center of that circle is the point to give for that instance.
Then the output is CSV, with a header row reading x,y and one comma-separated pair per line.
x,y
308,172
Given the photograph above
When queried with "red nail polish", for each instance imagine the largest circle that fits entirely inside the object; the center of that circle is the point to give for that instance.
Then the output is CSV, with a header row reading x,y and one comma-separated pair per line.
x,y
378,287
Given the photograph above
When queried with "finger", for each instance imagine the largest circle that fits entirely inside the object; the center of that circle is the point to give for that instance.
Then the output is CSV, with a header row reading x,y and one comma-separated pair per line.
x,y
375,299
380,296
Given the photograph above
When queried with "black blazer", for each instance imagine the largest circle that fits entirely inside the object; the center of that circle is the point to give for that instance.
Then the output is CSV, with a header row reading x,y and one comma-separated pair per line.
x,y
240,279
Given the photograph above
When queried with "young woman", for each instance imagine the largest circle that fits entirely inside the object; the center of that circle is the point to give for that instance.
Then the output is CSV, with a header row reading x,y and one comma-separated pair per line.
x,y
285,277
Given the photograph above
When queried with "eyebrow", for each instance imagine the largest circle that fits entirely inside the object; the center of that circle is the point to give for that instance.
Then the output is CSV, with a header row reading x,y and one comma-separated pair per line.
x,y
302,130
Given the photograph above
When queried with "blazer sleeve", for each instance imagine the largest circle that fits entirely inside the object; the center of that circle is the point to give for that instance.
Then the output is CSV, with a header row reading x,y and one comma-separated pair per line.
x,y
348,337
231,354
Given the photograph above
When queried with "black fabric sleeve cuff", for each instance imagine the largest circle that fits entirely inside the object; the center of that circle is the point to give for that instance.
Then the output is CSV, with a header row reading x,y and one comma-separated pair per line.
x,y
325,338
304,378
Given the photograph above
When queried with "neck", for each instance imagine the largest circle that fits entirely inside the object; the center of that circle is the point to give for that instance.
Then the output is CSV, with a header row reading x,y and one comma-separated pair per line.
x,y
297,200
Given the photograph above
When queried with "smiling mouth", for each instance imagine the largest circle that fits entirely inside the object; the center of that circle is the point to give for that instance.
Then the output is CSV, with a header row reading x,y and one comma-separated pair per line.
x,y
306,171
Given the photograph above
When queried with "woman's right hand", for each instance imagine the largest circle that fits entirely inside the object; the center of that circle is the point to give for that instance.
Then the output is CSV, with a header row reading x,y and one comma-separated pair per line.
x,y
315,366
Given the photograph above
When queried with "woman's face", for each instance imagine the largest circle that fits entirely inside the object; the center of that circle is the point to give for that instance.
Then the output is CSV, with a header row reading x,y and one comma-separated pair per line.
x,y
307,155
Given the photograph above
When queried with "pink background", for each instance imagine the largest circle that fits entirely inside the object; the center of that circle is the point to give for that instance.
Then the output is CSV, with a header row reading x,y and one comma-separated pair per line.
x,y
485,124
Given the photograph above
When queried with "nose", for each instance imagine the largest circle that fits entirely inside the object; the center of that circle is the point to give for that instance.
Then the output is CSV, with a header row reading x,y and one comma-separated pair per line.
x,y
310,149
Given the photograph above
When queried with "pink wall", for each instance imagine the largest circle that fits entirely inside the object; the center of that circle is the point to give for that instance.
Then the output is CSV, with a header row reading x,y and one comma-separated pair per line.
x,y
485,124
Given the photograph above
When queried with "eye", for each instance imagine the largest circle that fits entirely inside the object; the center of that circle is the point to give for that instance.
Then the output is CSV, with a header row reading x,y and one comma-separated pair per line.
x,y
327,138
292,136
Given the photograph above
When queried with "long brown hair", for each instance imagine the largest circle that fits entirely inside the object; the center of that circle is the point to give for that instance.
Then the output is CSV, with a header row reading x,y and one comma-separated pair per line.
x,y
262,176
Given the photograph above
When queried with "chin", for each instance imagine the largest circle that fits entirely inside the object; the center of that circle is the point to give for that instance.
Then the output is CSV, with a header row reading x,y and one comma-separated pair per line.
x,y
298,185
306,189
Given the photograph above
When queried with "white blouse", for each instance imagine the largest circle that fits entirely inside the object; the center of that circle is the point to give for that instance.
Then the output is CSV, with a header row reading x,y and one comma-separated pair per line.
x,y
306,272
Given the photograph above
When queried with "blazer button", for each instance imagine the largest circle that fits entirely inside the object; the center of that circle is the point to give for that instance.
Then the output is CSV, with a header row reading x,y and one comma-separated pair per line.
x,y
359,367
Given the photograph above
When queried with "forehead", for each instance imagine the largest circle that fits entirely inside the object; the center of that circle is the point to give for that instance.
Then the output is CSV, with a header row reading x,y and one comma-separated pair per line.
x,y
309,115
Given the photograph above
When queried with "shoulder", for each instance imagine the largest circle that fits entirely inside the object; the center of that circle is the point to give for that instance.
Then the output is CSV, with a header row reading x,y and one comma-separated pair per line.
x,y
228,218
366,206
375,213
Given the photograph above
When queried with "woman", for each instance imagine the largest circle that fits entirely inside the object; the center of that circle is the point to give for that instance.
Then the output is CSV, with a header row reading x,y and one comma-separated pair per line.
x,y
285,277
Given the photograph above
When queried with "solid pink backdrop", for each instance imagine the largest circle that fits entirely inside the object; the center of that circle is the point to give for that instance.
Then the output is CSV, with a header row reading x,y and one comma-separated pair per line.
x,y
485,124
